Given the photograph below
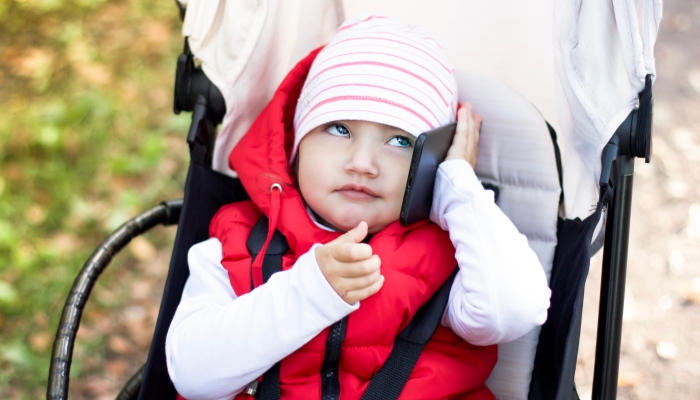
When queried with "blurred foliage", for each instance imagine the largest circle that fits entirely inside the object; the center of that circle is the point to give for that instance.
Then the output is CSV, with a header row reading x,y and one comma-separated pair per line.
x,y
87,141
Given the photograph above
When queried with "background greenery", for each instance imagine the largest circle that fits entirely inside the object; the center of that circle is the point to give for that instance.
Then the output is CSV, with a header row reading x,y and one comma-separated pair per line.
x,y
87,141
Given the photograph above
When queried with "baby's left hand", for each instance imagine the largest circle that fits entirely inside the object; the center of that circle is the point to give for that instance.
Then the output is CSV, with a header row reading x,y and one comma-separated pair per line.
x,y
466,139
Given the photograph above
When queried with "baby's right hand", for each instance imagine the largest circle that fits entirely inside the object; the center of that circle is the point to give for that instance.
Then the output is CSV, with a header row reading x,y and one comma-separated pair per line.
x,y
349,265
466,140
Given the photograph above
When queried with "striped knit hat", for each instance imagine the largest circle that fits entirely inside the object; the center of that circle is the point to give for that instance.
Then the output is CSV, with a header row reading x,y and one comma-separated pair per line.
x,y
379,70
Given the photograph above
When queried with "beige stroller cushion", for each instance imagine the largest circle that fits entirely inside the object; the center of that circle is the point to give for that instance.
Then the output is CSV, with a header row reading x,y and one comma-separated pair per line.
x,y
517,155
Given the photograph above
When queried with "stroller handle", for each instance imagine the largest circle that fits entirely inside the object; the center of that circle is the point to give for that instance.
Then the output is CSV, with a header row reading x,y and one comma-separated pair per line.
x,y
166,213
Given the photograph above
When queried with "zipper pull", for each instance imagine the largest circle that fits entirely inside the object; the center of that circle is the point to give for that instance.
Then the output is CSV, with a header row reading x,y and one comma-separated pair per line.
x,y
252,388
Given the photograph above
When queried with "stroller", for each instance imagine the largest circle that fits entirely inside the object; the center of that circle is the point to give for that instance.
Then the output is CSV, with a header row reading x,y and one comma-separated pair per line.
x,y
604,123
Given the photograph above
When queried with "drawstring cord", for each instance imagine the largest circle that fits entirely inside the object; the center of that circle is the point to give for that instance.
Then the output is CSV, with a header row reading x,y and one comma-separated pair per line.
x,y
275,197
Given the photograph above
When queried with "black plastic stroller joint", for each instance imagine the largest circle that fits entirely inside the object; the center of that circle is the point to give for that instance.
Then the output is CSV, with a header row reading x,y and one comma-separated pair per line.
x,y
166,213
631,140
195,92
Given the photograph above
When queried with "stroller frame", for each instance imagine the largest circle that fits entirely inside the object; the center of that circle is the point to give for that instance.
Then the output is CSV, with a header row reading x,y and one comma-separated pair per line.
x,y
195,92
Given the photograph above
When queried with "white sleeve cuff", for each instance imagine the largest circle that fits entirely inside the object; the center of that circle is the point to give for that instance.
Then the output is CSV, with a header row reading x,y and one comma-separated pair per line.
x,y
461,175
456,184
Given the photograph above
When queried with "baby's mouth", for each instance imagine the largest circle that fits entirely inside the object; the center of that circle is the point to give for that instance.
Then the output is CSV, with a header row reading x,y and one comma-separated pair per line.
x,y
357,192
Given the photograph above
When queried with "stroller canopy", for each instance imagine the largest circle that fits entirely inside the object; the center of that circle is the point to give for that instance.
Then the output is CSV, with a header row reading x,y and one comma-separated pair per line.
x,y
582,64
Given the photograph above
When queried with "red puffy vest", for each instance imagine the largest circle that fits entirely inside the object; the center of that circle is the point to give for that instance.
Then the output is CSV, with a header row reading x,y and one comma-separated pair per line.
x,y
416,260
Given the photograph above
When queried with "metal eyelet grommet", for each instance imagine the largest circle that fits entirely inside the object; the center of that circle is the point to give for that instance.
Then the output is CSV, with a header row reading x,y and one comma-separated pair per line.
x,y
276,185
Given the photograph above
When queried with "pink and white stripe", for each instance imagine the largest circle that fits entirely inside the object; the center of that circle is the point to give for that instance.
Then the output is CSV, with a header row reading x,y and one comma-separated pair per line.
x,y
379,70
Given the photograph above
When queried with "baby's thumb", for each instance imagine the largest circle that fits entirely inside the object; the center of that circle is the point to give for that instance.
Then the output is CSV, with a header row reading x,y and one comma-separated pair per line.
x,y
356,234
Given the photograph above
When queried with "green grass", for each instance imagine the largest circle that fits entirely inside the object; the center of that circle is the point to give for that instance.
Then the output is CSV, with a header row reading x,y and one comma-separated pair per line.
x,y
87,141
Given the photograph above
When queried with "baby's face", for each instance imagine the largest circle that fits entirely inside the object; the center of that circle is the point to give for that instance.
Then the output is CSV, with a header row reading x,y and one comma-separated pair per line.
x,y
353,171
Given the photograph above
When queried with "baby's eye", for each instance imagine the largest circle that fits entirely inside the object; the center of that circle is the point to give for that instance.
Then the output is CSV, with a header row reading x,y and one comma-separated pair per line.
x,y
400,141
338,130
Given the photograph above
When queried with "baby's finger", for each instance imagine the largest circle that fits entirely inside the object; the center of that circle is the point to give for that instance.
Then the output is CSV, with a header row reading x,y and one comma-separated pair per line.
x,y
473,140
354,235
362,268
352,252
359,282
469,118
463,118
343,286
360,294
459,142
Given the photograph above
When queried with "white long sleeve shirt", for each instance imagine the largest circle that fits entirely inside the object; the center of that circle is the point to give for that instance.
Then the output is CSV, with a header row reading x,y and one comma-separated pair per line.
x,y
218,341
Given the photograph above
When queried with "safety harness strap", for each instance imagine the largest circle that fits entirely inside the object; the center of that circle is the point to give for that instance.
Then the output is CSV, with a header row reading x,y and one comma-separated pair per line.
x,y
391,378
269,388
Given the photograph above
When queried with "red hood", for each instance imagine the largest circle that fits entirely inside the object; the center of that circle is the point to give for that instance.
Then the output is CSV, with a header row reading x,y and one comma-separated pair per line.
x,y
260,159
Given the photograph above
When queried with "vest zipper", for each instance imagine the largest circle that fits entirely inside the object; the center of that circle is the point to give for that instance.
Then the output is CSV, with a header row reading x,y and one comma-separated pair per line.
x,y
330,381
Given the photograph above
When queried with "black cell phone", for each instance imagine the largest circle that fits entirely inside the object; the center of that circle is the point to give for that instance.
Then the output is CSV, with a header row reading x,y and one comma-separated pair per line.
x,y
429,151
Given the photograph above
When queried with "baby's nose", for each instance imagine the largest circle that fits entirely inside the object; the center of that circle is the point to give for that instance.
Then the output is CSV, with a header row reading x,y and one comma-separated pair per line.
x,y
362,161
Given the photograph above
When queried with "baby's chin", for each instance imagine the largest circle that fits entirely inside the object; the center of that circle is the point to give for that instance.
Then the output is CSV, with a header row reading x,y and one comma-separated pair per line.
x,y
345,217
345,224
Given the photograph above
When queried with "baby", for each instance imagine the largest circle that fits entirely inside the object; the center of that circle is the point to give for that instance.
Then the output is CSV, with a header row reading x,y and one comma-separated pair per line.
x,y
326,162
